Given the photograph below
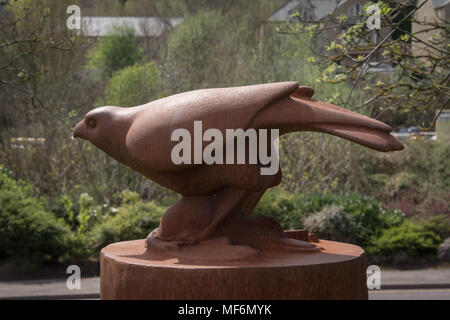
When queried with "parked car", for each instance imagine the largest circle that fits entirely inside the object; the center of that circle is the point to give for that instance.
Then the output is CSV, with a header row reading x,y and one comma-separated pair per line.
x,y
413,130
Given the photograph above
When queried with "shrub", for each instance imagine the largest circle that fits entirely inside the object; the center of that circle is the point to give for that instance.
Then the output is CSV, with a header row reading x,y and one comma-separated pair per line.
x,y
440,225
114,52
333,223
367,213
209,49
90,213
416,178
132,221
62,207
134,85
413,239
26,228
291,209
128,197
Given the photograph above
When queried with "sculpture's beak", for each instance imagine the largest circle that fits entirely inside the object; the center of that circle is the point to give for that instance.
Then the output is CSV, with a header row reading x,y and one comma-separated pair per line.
x,y
80,130
328,118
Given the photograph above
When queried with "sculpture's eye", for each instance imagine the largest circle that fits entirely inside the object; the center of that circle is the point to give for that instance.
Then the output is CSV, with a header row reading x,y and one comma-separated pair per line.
x,y
91,123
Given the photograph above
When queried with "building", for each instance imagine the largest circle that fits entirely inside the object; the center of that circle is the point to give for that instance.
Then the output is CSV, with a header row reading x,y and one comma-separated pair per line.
x,y
318,11
143,26
432,11
311,10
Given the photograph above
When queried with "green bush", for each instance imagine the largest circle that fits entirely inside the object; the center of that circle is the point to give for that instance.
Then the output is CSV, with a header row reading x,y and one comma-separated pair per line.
x,y
134,85
291,209
333,223
413,239
209,49
193,50
114,52
357,219
63,208
417,177
90,213
132,221
440,225
26,228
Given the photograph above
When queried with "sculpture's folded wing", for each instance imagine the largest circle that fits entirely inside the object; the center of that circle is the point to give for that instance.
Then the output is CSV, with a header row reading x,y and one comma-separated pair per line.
x,y
149,139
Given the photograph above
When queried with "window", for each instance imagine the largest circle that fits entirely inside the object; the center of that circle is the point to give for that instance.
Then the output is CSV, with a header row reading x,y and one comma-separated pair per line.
x,y
355,10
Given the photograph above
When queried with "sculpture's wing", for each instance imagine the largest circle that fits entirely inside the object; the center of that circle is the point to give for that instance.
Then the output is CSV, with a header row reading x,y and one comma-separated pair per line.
x,y
149,138
227,108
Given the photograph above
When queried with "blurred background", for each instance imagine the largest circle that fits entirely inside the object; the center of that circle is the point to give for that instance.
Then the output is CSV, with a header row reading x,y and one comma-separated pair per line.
x,y
62,200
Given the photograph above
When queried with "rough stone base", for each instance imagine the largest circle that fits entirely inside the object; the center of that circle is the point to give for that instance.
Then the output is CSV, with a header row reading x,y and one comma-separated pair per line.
x,y
336,272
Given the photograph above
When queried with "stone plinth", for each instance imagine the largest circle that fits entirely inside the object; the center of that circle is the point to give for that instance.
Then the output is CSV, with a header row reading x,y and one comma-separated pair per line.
x,y
336,272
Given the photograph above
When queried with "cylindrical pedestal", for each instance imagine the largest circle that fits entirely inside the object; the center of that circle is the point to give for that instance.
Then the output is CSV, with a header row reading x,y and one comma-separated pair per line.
x,y
337,272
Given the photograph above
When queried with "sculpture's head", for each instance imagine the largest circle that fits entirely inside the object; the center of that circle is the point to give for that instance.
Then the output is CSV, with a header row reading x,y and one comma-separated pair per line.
x,y
105,127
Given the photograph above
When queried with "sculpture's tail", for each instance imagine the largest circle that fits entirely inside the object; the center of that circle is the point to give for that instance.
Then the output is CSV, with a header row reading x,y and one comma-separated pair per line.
x,y
299,112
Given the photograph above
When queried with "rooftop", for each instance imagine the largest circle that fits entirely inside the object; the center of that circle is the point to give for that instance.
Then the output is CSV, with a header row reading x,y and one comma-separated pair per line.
x,y
320,9
143,26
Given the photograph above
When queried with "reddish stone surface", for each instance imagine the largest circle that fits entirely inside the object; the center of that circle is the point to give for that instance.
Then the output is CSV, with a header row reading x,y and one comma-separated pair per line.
x,y
301,234
338,271
313,238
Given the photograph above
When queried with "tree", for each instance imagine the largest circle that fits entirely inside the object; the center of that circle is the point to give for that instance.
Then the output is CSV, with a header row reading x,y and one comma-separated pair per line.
x,y
114,52
209,49
40,88
134,85
419,56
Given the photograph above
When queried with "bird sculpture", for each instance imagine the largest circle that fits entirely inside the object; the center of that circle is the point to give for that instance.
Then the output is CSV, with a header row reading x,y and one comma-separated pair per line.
x,y
218,197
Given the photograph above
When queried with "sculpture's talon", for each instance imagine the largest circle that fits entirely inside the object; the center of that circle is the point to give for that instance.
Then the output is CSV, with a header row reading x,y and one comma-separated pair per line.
x,y
153,242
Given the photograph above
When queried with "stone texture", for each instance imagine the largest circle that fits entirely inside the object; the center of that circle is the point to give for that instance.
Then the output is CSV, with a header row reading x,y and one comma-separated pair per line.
x,y
444,251
336,272
313,238
301,234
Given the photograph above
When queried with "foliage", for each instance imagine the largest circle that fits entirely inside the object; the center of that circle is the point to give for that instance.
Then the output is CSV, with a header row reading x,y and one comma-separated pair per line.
x,y
419,175
38,61
356,219
293,211
114,52
134,85
63,208
27,229
413,239
439,225
333,223
89,213
132,221
208,49
418,49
